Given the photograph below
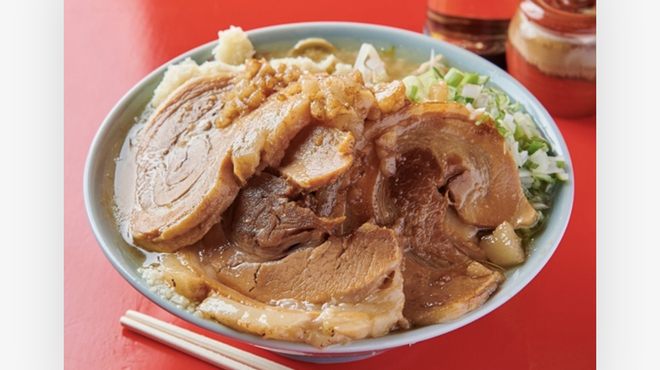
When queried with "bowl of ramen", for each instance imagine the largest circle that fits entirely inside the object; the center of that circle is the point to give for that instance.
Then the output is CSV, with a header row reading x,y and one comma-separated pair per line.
x,y
326,196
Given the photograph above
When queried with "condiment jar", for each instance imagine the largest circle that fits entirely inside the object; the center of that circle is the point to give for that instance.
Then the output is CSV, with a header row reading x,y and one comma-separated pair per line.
x,y
551,49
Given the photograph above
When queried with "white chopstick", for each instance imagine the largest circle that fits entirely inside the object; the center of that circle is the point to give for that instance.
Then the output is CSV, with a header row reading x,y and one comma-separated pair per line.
x,y
199,346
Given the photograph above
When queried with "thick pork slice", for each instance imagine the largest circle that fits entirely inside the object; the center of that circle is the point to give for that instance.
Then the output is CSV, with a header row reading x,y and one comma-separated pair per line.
x,y
318,156
473,169
442,280
340,269
184,169
345,289
437,296
270,216
478,174
421,211
346,269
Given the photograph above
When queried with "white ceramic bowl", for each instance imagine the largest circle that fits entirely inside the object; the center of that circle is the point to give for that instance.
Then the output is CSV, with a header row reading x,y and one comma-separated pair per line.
x,y
100,167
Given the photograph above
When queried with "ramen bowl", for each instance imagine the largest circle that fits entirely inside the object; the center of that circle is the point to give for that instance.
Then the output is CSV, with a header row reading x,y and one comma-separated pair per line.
x,y
127,259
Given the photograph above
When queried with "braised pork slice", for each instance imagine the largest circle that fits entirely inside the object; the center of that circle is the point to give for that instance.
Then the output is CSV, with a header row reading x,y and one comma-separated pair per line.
x,y
266,219
317,325
422,213
478,174
475,171
324,151
347,269
320,325
341,268
318,156
266,132
344,289
437,296
442,280
184,171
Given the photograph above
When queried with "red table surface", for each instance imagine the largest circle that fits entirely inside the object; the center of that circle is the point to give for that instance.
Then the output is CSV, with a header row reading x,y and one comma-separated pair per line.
x,y
110,45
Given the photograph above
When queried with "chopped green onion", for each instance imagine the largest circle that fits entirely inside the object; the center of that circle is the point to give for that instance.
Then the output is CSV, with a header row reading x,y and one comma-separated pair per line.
x,y
453,77
470,78
500,127
544,177
519,134
414,88
502,101
535,145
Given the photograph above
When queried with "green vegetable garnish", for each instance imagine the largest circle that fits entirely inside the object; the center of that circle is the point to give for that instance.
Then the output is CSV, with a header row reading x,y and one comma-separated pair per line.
x,y
453,77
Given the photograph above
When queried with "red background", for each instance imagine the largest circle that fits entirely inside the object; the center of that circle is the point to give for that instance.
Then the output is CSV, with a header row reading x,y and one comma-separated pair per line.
x,y
110,45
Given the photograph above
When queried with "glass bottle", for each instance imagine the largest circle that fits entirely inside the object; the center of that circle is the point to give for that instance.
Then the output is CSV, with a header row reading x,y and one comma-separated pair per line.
x,y
477,25
551,49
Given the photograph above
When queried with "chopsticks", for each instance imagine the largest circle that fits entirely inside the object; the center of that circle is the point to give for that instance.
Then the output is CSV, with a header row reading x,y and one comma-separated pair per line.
x,y
196,345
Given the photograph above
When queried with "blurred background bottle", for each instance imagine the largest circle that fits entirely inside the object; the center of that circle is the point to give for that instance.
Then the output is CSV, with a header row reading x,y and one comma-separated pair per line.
x,y
476,25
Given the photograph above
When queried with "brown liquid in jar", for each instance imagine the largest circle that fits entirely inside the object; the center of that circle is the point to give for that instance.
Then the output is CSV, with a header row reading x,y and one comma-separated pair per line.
x,y
479,26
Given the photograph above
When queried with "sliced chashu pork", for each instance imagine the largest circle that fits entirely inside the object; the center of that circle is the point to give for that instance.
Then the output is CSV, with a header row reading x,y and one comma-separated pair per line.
x,y
176,196
451,178
437,296
339,101
479,174
191,163
317,325
324,151
345,289
443,279
269,216
359,194
421,213
341,268
318,156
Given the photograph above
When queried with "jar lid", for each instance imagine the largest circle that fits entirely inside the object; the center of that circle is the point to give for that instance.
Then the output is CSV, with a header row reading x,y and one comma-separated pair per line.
x,y
576,16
